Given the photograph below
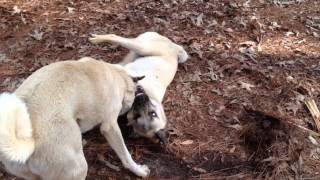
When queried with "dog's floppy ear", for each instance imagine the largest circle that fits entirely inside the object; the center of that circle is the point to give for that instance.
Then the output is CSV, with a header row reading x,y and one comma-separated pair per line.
x,y
137,78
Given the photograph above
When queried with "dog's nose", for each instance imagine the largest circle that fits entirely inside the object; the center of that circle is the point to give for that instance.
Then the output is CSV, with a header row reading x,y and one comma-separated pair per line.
x,y
161,135
143,126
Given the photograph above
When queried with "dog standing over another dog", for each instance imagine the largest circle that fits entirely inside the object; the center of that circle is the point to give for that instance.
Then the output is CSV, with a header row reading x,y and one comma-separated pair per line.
x,y
42,121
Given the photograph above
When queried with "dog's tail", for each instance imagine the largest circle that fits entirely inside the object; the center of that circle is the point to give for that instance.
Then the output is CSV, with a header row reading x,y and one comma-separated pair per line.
x,y
16,141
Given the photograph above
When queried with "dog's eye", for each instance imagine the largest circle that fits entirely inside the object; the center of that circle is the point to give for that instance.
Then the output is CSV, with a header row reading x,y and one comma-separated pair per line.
x,y
153,114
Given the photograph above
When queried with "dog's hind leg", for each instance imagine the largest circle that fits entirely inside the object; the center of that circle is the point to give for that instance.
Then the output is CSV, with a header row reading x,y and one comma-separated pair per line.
x,y
72,166
131,56
133,44
112,133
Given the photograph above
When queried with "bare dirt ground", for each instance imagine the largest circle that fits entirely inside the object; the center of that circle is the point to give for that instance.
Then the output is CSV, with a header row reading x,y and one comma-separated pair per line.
x,y
236,108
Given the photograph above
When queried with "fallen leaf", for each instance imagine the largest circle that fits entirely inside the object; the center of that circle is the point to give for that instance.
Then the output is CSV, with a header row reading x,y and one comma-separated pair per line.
x,y
199,20
294,107
186,89
289,33
16,10
3,58
315,154
246,86
313,140
217,91
196,48
37,35
315,34
200,170
187,142
239,57
248,43
195,100
229,30
220,109
274,25
193,78
233,149
237,127
285,63
212,75
211,111
70,10
289,78
212,23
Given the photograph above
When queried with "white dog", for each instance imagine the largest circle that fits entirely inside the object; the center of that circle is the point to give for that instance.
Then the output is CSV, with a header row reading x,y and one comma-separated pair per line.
x,y
42,121
156,57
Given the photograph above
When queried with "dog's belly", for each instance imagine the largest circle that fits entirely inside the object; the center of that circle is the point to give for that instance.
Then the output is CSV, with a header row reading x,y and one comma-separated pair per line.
x,y
85,125
155,67
88,118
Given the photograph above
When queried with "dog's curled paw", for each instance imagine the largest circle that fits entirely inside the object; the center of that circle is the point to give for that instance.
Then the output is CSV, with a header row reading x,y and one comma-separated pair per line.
x,y
142,171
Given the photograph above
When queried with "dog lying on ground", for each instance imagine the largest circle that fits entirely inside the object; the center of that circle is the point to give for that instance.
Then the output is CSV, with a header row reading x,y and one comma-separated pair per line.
x,y
156,57
42,121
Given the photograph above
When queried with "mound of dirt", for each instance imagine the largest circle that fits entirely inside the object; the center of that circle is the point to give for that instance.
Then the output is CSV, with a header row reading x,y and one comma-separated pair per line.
x,y
273,150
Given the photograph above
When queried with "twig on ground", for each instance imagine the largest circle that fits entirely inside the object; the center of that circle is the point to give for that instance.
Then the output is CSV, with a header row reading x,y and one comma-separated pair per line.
x,y
107,163
305,129
312,106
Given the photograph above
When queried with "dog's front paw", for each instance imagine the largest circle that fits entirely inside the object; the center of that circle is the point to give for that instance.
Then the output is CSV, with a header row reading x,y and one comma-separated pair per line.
x,y
142,171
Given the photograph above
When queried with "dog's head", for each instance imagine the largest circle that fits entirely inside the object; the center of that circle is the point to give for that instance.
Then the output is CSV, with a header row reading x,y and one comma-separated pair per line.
x,y
147,117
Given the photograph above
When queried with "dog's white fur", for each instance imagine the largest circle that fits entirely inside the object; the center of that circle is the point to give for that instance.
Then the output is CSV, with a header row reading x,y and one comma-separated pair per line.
x,y
42,121
154,56
16,141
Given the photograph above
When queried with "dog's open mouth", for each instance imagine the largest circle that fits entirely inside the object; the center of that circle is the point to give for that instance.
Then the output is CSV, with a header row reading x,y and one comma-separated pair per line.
x,y
139,91
139,94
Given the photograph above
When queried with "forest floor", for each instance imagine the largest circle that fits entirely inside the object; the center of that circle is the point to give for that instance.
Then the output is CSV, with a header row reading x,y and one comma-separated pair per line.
x,y
235,109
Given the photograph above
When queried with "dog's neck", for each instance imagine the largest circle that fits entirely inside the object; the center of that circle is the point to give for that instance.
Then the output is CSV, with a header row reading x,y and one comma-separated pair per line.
x,y
152,88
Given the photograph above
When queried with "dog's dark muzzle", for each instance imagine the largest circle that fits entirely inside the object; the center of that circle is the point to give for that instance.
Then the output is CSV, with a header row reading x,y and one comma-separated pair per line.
x,y
161,135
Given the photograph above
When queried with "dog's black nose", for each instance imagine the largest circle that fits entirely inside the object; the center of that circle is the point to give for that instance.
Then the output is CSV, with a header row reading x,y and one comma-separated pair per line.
x,y
161,135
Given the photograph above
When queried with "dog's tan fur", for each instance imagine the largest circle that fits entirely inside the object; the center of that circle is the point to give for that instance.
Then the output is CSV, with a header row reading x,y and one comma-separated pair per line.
x,y
41,123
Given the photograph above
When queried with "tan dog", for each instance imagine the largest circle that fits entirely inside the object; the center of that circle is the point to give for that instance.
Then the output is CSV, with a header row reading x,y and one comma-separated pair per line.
x,y
156,57
41,123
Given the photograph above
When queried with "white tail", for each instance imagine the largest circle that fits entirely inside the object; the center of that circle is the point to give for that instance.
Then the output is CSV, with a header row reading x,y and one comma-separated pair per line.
x,y
16,140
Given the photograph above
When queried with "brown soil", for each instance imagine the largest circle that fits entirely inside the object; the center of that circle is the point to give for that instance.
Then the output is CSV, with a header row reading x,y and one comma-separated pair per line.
x,y
234,108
